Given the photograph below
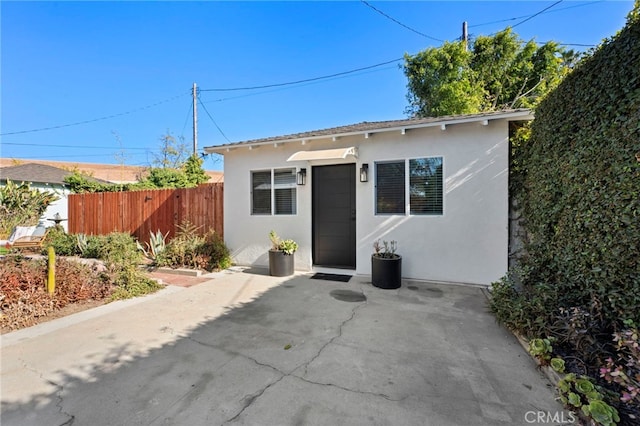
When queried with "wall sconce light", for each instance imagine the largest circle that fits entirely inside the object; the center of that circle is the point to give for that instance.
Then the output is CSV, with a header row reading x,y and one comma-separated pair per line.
x,y
301,177
364,172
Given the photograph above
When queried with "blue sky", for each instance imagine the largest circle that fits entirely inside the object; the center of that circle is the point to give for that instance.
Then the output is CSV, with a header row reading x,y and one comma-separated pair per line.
x,y
78,62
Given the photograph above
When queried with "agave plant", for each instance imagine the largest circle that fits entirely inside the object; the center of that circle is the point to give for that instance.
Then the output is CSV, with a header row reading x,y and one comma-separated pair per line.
x,y
83,243
156,245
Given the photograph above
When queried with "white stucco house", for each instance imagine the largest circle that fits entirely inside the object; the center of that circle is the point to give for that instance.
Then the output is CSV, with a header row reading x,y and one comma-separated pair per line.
x,y
437,186
44,178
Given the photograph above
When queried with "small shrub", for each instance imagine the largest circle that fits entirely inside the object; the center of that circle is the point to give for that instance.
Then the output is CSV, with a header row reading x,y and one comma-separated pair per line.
x,y
130,282
119,248
526,312
190,250
94,246
216,251
64,244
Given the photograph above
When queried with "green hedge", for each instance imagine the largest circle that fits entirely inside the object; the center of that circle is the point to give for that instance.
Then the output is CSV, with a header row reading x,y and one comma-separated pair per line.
x,y
580,190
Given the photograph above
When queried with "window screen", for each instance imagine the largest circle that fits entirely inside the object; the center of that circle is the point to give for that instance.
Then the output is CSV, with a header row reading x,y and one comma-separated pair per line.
x,y
390,188
425,185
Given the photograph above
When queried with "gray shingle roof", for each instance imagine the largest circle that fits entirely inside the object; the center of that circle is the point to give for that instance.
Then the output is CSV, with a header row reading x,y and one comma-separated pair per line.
x,y
39,173
367,126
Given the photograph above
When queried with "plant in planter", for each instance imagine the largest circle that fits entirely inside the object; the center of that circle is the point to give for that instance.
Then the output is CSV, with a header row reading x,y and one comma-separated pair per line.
x,y
386,265
281,256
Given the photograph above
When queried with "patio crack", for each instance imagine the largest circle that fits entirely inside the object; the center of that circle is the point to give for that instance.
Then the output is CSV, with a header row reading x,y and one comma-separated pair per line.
x,y
317,355
250,399
261,364
381,395
247,400
58,393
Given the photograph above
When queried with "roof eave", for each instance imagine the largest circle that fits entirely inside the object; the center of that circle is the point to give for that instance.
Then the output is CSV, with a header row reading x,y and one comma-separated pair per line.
x,y
522,114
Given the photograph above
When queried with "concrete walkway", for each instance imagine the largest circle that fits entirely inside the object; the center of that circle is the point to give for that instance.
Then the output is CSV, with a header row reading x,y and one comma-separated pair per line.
x,y
245,348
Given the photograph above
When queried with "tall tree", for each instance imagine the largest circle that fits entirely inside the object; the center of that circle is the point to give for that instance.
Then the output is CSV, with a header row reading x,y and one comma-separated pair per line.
x,y
441,82
498,72
173,152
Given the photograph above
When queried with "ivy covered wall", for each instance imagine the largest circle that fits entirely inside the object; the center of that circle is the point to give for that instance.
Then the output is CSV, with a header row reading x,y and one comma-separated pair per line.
x,y
580,187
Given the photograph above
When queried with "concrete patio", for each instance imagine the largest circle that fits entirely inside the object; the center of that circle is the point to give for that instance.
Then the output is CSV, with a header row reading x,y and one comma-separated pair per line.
x,y
247,348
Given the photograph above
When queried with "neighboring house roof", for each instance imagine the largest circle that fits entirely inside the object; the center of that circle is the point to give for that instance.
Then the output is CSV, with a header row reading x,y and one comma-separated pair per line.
x,y
367,128
36,173
113,173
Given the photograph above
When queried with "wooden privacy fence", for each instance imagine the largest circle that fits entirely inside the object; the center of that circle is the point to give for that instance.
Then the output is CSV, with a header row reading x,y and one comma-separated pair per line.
x,y
141,212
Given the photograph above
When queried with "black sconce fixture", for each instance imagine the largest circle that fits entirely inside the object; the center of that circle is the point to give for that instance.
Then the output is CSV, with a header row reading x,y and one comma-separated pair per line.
x,y
364,172
301,177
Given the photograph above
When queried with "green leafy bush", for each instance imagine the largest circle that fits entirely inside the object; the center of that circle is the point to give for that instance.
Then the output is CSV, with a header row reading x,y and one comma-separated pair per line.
x,y
21,206
119,248
575,178
528,310
131,282
215,251
119,252
580,194
64,244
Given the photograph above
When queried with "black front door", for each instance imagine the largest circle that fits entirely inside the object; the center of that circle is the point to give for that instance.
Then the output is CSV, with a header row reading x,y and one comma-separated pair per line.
x,y
334,216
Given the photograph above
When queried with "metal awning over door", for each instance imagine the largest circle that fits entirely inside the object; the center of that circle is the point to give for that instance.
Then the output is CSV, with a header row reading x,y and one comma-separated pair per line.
x,y
324,154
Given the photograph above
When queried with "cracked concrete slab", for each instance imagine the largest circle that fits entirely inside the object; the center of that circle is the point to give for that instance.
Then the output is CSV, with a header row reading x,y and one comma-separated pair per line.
x,y
246,348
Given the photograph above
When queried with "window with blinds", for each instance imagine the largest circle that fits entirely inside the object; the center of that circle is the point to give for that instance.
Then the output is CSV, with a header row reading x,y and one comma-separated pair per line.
x,y
261,192
425,190
285,191
278,185
390,193
425,185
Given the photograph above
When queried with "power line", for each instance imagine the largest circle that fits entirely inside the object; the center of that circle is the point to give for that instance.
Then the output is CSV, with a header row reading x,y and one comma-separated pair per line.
x,y
536,14
266,86
187,117
40,157
92,120
400,23
526,16
64,146
214,121
280,89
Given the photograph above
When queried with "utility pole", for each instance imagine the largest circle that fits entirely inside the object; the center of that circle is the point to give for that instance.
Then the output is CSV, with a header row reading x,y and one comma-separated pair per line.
x,y
465,36
195,119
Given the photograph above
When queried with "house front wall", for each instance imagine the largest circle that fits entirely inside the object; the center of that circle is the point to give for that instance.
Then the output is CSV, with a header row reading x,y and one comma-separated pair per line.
x,y
468,243
60,206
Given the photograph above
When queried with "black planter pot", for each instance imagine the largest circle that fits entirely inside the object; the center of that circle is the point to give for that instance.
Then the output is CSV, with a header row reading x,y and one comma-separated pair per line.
x,y
280,263
386,273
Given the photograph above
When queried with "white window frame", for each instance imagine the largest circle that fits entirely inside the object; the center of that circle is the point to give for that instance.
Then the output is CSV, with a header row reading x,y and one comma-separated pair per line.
x,y
407,187
273,189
